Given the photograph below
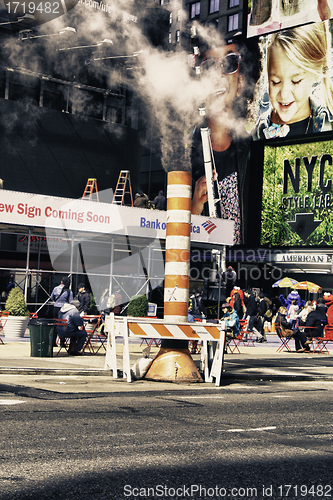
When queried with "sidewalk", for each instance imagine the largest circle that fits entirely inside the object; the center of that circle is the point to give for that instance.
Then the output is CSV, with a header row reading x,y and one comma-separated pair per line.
x,y
261,362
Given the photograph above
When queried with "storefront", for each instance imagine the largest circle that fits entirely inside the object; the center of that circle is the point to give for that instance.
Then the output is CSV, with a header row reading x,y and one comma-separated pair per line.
x,y
107,246
260,268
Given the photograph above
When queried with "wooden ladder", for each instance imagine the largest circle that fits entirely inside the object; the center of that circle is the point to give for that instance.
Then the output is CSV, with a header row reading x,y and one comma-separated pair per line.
x,y
89,189
120,191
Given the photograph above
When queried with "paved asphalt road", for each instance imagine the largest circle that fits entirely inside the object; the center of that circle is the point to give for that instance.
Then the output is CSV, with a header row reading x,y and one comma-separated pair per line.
x,y
253,440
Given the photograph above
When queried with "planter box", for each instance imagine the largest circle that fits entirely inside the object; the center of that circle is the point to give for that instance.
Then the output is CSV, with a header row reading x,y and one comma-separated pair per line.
x,y
15,326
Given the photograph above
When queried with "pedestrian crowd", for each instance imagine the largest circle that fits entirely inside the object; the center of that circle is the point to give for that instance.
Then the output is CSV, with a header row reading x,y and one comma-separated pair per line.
x,y
288,316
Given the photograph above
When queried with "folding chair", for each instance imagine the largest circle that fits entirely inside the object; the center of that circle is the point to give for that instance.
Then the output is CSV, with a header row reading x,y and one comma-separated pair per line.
x,y
234,341
284,340
247,338
95,340
320,343
315,341
3,320
150,342
194,346
64,342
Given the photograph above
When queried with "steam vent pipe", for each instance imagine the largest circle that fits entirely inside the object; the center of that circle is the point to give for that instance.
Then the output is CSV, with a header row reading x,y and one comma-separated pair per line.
x,y
177,246
173,363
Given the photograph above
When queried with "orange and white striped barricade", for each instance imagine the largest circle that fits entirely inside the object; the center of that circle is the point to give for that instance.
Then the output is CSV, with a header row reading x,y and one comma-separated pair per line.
x,y
129,327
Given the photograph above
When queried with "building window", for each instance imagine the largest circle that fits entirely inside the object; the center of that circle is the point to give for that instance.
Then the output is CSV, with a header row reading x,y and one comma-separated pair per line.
x,y
214,6
233,22
177,36
170,18
170,38
195,10
214,23
180,14
233,3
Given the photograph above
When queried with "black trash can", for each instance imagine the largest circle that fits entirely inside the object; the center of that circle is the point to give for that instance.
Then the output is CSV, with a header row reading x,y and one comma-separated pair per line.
x,y
41,337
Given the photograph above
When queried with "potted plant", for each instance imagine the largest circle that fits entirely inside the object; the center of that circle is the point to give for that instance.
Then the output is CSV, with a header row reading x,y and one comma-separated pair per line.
x,y
18,318
138,306
93,307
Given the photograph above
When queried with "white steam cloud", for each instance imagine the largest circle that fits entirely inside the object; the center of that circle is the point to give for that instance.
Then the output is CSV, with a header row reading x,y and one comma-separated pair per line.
x,y
108,35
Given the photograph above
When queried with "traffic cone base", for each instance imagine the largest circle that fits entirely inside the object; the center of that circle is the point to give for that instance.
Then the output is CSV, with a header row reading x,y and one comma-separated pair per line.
x,y
173,365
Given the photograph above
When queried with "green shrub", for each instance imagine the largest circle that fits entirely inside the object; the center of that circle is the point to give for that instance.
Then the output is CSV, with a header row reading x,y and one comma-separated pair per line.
x,y
138,306
93,308
16,303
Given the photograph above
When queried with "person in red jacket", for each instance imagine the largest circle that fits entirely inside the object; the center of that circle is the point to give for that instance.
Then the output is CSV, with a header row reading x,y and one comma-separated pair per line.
x,y
237,301
329,302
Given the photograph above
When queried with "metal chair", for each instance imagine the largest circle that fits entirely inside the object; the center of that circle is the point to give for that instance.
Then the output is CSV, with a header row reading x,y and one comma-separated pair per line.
x,y
64,342
150,342
233,343
320,343
95,340
284,340
247,338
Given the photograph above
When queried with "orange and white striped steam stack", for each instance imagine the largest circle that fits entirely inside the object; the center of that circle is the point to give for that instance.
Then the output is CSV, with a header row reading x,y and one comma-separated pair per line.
x,y
177,254
173,363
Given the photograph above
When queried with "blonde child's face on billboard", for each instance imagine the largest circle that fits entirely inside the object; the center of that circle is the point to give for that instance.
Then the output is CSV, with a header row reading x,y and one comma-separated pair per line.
x,y
289,87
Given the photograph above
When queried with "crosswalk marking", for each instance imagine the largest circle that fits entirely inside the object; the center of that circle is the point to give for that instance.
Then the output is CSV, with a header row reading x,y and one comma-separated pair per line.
x,y
10,401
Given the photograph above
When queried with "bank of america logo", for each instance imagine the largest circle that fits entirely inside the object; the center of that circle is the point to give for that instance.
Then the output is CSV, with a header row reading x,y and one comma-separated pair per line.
x,y
209,226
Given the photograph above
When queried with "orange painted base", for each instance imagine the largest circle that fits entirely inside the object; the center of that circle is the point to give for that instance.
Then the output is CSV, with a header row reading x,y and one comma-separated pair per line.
x,y
173,365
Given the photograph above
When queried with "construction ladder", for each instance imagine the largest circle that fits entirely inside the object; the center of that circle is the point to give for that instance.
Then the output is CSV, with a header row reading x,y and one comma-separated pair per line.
x,y
120,191
89,189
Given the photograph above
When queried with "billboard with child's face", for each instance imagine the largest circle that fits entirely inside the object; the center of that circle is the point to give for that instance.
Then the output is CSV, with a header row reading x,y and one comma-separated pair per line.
x,y
297,195
295,88
267,16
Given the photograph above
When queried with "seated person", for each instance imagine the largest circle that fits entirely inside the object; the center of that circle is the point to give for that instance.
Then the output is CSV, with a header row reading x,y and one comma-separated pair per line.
x,y
231,320
313,320
304,312
76,329
301,342
321,310
196,305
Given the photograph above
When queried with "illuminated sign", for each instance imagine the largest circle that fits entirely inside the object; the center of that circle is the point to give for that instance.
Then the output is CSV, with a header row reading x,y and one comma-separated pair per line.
x,y
297,195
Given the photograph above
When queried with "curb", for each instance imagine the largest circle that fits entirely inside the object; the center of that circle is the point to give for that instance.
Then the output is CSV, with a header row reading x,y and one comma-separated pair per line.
x,y
54,371
108,373
277,377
